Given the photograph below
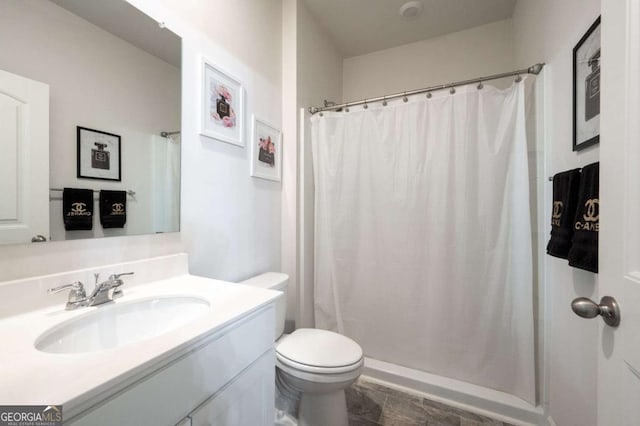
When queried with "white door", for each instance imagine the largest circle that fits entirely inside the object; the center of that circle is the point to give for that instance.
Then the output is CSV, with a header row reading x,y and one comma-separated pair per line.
x,y
24,159
619,251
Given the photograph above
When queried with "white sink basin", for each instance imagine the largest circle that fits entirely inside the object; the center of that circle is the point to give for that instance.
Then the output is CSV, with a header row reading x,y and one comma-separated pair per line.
x,y
122,323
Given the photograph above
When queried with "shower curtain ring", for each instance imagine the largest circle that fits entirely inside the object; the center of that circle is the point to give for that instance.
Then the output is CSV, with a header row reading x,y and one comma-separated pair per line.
x,y
452,90
404,98
480,86
518,79
365,106
429,95
384,101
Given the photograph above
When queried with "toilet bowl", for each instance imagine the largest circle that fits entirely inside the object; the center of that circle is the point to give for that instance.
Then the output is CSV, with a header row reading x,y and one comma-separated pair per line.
x,y
316,364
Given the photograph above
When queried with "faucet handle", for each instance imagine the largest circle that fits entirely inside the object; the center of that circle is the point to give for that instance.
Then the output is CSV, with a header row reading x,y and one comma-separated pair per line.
x,y
77,295
76,286
117,276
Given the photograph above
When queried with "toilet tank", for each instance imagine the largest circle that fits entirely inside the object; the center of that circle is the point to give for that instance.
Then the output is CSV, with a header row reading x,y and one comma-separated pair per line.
x,y
273,281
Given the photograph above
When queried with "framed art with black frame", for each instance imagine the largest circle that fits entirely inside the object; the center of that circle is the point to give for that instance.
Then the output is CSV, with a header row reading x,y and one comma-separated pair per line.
x,y
98,155
586,89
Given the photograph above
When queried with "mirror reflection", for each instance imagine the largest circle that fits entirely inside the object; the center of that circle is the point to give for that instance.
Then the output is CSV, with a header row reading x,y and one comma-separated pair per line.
x,y
89,121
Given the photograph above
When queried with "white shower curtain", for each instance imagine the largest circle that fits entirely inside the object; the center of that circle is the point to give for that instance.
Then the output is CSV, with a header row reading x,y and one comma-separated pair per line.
x,y
423,234
166,183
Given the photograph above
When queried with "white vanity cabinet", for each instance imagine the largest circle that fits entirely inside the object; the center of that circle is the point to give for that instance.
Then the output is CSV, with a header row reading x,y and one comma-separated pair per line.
x,y
248,400
226,378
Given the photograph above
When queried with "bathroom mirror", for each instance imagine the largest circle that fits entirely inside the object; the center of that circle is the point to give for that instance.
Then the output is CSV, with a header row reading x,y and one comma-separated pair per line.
x,y
90,94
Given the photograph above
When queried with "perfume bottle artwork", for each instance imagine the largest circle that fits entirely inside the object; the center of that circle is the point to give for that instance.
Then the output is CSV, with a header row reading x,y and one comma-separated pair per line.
x,y
222,107
267,152
100,159
592,88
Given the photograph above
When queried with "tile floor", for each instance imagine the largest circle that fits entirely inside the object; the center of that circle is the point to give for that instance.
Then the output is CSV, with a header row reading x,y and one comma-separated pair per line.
x,y
370,404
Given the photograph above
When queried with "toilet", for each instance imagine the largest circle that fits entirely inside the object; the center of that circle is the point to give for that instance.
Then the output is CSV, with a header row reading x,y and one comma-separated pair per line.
x,y
318,365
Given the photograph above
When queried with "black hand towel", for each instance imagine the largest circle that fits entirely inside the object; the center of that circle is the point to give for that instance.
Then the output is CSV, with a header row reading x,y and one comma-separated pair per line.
x,y
77,209
565,201
113,209
584,250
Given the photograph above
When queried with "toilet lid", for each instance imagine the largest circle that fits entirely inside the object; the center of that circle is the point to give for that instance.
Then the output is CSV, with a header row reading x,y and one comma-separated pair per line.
x,y
319,348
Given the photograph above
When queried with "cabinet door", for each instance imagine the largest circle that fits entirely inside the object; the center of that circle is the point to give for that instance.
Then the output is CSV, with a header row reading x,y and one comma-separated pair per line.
x,y
248,400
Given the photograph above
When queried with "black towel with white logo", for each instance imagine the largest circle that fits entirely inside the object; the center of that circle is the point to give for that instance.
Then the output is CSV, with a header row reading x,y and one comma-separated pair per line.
x,y
565,202
113,209
77,209
584,248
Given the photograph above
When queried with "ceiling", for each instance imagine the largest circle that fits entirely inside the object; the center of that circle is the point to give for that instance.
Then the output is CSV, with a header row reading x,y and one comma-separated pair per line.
x,y
128,23
363,26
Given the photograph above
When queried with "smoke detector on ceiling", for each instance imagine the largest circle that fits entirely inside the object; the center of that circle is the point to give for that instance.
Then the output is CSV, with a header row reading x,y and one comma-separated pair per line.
x,y
411,9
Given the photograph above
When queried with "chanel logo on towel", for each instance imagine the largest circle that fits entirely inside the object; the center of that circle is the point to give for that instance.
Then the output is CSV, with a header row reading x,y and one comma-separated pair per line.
x,y
557,213
78,209
557,209
117,209
591,215
592,210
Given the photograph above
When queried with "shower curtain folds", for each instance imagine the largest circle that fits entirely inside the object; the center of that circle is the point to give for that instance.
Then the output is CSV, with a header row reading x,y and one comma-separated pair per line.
x,y
423,234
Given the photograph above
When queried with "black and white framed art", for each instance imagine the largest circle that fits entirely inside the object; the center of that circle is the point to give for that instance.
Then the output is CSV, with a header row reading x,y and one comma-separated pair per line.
x,y
98,155
586,89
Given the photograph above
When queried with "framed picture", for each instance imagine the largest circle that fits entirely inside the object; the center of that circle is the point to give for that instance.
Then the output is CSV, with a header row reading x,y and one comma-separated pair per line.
x,y
222,105
266,151
586,89
98,155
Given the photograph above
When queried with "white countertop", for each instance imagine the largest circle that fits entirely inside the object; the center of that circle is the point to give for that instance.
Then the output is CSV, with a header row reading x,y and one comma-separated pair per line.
x,y
28,376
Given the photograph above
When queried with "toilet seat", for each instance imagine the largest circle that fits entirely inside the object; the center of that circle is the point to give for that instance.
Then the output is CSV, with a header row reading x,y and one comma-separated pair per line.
x,y
291,364
318,352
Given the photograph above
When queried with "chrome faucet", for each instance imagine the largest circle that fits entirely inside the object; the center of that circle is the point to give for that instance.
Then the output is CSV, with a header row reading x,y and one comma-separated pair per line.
x,y
103,292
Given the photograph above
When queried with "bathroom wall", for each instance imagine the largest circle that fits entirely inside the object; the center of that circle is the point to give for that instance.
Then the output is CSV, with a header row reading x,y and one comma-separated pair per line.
x,y
319,77
289,231
483,50
92,90
230,221
547,30
312,72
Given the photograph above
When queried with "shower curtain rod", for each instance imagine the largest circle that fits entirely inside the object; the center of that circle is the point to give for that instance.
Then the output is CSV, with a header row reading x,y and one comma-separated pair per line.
x,y
535,69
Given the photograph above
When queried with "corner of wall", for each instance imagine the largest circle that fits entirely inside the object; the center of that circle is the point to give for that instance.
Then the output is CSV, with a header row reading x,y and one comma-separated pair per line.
x,y
289,214
318,77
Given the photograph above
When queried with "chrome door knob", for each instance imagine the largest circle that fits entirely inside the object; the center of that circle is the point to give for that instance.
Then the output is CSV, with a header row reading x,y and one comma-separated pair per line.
x,y
608,309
